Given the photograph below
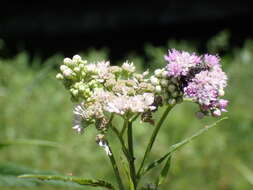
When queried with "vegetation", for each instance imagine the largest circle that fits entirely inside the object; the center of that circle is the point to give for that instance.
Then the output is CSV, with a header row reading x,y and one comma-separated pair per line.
x,y
36,119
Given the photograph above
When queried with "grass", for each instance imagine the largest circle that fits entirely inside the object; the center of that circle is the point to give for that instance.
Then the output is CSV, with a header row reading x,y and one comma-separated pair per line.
x,y
35,106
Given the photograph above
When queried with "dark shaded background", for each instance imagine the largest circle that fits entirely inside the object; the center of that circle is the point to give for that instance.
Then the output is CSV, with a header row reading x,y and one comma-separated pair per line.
x,y
49,27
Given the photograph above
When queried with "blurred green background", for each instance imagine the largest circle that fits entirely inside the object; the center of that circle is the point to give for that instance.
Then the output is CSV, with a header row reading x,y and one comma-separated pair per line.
x,y
34,106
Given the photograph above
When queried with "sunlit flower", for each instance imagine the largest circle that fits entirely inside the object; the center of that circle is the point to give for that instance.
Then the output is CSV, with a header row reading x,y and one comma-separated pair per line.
x,y
199,78
179,63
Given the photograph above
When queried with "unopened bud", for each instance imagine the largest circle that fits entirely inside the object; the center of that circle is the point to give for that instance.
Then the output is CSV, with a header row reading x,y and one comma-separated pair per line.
x,y
63,68
216,113
165,74
74,91
67,72
174,80
67,61
172,101
221,92
59,76
171,88
164,82
77,69
77,58
158,72
154,80
158,88
174,94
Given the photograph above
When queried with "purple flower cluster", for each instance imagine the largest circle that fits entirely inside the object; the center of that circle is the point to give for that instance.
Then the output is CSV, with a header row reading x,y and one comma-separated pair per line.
x,y
180,62
200,78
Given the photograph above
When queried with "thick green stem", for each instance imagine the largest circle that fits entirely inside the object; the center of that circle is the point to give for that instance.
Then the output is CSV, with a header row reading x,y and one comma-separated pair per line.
x,y
116,170
152,139
131,152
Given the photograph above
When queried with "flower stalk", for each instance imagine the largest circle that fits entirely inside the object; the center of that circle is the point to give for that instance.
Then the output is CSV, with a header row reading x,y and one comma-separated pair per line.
x,y
116,170
152,139
131,153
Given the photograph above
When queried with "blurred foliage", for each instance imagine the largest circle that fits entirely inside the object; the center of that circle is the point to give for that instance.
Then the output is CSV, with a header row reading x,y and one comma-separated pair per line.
x,y
34,105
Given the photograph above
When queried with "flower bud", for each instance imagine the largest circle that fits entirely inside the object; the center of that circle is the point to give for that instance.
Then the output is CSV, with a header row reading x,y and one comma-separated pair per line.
x,y
59,76
81,65
67,61
158,72
67,73
216,113
171,88
77,58
63,67
154,80
82,88
171,101
165,74
145,73
221,92
77,69
164,82
174,94
174,80
83,74
158,88
74,91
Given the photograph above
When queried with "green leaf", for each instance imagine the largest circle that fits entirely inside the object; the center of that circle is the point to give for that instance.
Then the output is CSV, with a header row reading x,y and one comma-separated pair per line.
x,y
9,168
29,142
245,171
154,164
164,172
175,147
125,168
77,180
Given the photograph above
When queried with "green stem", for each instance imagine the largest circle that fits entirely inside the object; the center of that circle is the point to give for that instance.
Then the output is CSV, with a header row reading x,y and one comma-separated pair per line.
x,y
152,139
124,149
124,128
134,117
131,152
116,170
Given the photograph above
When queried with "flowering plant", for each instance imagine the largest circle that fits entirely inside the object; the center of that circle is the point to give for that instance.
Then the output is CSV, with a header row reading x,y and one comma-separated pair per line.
x,y
101,91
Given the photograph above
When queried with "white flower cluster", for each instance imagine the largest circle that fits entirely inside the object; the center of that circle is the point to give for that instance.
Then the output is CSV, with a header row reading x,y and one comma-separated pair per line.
x,y
99,88
134,104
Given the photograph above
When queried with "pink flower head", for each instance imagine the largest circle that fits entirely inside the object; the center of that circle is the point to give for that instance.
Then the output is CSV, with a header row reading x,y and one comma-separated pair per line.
x,y
200,78
211,60
179,63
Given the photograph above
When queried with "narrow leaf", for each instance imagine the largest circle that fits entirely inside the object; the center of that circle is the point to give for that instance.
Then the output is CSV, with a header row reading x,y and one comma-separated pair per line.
x,y
28,142
245,171
164,172
125,168
154,164
175,147
77,180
